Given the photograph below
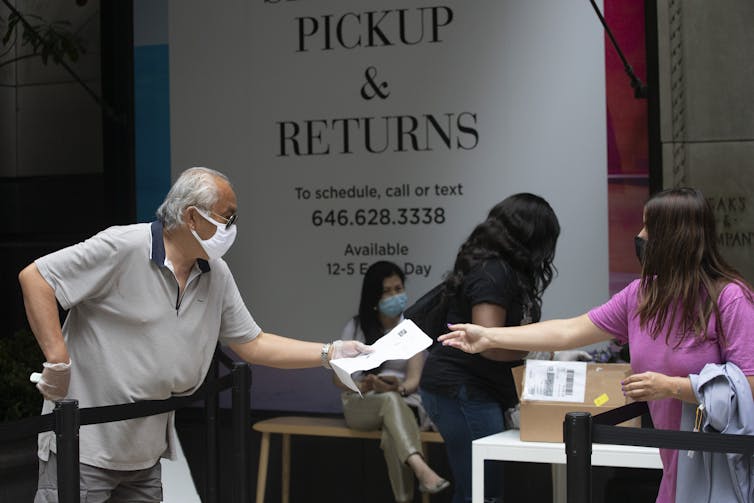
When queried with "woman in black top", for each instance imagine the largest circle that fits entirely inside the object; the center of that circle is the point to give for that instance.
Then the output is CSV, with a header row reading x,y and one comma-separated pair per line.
x,y
499,276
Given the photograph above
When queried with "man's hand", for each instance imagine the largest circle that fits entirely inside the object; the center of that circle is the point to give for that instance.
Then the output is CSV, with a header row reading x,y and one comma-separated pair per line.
x,y
348,349
54,381
572,355
466,337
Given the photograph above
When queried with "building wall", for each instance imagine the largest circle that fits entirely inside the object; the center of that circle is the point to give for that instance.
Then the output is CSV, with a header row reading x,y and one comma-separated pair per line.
x,y
707,114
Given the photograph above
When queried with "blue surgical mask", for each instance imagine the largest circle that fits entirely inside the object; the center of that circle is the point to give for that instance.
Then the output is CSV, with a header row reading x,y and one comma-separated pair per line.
x,y
393,306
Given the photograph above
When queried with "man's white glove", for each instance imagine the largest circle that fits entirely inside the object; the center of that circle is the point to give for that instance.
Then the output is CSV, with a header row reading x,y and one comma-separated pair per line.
x,y
53,384
348,349
539,355
572,355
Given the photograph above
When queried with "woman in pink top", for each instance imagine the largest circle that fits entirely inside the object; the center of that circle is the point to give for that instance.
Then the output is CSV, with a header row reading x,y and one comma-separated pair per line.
x,y
688,309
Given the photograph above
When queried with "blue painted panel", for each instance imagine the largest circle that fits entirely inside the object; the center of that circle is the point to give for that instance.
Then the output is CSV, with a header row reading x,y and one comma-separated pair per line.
x,y
152,127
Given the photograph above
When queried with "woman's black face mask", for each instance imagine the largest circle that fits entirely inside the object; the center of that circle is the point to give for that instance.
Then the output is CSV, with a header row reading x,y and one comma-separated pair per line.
x,y
640,244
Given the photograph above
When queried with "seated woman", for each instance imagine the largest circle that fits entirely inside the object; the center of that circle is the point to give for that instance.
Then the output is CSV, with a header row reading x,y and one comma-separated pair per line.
x,y
390,402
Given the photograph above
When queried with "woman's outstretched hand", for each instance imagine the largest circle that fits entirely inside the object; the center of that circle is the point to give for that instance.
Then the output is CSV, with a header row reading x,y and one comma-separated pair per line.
x,y
466,337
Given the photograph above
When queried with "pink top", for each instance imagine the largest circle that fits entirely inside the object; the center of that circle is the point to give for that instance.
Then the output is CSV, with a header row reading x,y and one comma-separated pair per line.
x,y
618,317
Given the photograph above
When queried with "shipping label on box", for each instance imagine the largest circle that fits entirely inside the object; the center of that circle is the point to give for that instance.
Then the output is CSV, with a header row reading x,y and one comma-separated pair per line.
x,y
555,381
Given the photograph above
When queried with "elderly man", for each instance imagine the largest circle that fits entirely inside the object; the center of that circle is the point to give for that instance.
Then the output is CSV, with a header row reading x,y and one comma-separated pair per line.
x,y
147,304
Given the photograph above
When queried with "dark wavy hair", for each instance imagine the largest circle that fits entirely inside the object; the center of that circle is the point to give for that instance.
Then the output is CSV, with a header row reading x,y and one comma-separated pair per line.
x,y
522,230
682,272
371,292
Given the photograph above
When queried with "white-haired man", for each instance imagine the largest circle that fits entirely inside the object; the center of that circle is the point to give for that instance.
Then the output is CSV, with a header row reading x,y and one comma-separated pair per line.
x,y
147,304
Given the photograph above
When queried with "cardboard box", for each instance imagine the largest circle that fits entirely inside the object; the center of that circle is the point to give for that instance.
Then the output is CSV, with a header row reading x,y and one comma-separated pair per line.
x,y
542,421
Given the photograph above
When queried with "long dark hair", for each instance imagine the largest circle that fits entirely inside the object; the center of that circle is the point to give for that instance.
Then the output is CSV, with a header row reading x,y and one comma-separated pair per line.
x,y
522,230
371,292
682,271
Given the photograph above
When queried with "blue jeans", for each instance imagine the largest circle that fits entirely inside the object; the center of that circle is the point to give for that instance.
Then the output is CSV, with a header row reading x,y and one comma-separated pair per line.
x,y
459,421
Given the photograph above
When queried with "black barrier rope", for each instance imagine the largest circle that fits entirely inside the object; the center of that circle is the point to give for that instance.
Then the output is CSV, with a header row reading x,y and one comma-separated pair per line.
x,y
672,439
13,430
108,413
621,414
581,430
226,360
66,419
604,431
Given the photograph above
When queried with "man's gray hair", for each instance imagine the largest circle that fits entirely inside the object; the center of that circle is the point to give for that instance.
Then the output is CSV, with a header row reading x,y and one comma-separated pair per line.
x,y
195,187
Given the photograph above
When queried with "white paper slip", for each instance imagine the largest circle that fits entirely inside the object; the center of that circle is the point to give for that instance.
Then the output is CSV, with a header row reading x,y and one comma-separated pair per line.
x,y
554,381
401,343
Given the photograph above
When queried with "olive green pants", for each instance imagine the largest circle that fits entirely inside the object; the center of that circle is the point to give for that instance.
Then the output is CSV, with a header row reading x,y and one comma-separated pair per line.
x,y
389,413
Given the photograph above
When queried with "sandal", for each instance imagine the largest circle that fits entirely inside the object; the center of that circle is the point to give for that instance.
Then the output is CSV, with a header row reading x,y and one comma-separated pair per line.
x,y
440,486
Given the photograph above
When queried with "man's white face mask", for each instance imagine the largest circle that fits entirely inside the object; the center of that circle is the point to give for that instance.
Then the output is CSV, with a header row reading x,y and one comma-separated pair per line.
x,y
221,240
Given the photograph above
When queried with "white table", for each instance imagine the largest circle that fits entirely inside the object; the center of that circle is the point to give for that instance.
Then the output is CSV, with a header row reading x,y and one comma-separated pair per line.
x,y
507,446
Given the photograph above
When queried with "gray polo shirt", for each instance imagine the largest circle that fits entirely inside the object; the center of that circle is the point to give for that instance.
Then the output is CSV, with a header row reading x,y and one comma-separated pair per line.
x,y
131,336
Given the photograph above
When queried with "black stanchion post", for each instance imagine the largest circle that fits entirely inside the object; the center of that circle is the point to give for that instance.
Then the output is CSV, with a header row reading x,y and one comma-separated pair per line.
x,y
211,407
577,433
241,424
67,437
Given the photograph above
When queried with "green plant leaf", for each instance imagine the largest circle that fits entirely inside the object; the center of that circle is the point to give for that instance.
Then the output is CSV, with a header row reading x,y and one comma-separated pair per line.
x,y
13,20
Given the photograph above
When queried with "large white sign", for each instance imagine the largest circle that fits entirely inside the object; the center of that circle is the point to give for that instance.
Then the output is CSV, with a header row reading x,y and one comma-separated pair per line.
x,y
360,131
